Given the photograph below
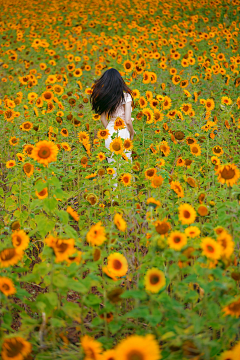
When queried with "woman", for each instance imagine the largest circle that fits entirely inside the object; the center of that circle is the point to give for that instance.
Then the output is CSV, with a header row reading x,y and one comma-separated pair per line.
x,y
111,98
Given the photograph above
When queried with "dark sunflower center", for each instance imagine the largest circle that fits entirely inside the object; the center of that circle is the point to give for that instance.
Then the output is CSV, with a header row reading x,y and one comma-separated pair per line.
x,y
18,240
62,247
116,147
195,150
7,254
228,174
135,355
217,150
14,348
47,96
186,214
27,168
6,287
128,66
117,264
162,228
44,152
235,307
43,192
210,248
177,239
154,279
150,173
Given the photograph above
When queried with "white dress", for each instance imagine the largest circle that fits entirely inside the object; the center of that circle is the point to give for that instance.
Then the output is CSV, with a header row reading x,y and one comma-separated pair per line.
x,y
123,133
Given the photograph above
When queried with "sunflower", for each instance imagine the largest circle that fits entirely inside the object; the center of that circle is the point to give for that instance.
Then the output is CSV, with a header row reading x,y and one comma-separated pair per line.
x,y
47,96
195,149
226,100
167,103
158,116
64,132
28,148
119,124
45,152
233,309
7,286
228,355
10,164
162,227
15,348
150,173
227,244
149,115
202,210
187,214
137,347
63,248
160,162
186,108
91,348
142,102
157,181
164,148
180,161
215,160
117,265
192,231
20,157
84,161
116,146
177,188
217,150
42,194
209,104
126,179
96,235
128,65
154,280
191,181
14,141
211,248
228,174
20,240
120,222
103,134
72,213
177,240
10,256
128,144
111,171
92,199
190,140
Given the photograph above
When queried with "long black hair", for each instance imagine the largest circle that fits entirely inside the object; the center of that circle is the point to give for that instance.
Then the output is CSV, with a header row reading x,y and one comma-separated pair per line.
x,y
107,92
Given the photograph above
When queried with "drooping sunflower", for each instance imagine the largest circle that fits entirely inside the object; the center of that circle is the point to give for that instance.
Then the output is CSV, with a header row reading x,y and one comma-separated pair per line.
x,y
202,210
157,181
117,265
63,248
153,202
84,161
227,244
75,258
42,194
10,256
192,231
177,240
191,181
119,124
177,188
120,222
103,134
15,348
72,213
137,347
7,286
195,149
164,148
126,179
96,234
20,240
228,174
233,309
91,347
45,152
28,169
116,146
154,280
187,214
211,248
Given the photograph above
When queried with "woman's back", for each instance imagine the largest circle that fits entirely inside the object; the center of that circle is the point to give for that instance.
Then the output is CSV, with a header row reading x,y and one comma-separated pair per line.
x,y
120,111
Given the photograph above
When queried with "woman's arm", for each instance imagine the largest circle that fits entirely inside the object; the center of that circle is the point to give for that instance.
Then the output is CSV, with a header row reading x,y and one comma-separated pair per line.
x,y
104,120
128,119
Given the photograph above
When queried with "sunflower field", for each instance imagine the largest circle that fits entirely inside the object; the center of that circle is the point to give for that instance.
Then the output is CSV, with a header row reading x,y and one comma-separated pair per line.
x,y
148,269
